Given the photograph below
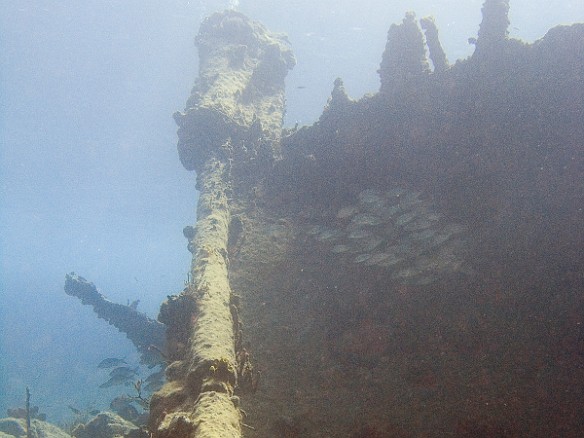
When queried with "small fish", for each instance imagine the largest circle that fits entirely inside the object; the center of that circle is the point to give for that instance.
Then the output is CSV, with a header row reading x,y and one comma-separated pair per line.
x,y
434,217
126,372
359,233
438,240
74,410
387,213
418,224
405,218
370,243
393,249
111,362
407,203
347,212
423,281
120,402
377,258
138,385
370,195
425,263
366,219
153,386
156,377
328,235
452,229
362,257
315,229
389,261
394,193
409,197
405,274
339,249
423,235
115,380
372,200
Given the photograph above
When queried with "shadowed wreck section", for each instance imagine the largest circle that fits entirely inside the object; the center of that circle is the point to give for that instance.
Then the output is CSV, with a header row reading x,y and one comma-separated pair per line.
x,y
229,134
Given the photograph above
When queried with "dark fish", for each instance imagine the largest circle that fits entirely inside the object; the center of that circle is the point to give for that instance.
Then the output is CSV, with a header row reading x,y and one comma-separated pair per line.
x,y
154,356
111,362
74,410
115,380
153,386
120,402
123,406
126,372
156,377
129,412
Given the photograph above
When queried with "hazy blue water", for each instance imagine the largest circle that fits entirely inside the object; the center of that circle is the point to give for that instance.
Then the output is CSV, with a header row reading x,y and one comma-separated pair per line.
x,y
90,180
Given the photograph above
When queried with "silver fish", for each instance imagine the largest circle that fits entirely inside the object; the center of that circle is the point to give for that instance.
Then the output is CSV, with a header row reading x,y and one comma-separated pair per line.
x,y
405,218
315,229
406,204
404,274
434,217
366,219
372,202
370,243
423,235
423,281
377,258
339,249
347,212
370,196
388,212
389,261
419,224
409,197
439,239
394,249
398,191
362,257
359,233
451,229
327,235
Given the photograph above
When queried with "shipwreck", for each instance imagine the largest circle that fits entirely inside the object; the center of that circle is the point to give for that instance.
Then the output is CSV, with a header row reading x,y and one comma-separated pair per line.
x,y
409,265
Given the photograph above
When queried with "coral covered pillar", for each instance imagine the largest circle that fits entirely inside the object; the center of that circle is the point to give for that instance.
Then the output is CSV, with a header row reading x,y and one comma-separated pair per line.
x,y
229,134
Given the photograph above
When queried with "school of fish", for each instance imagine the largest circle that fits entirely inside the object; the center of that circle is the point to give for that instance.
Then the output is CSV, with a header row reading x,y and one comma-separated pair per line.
x,y
396,230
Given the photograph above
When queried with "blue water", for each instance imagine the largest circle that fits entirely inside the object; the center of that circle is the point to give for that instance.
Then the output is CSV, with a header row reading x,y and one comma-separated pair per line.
x,y
90,180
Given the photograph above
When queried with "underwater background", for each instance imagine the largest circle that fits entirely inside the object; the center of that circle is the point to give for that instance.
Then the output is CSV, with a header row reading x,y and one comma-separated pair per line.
x,y
90,180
